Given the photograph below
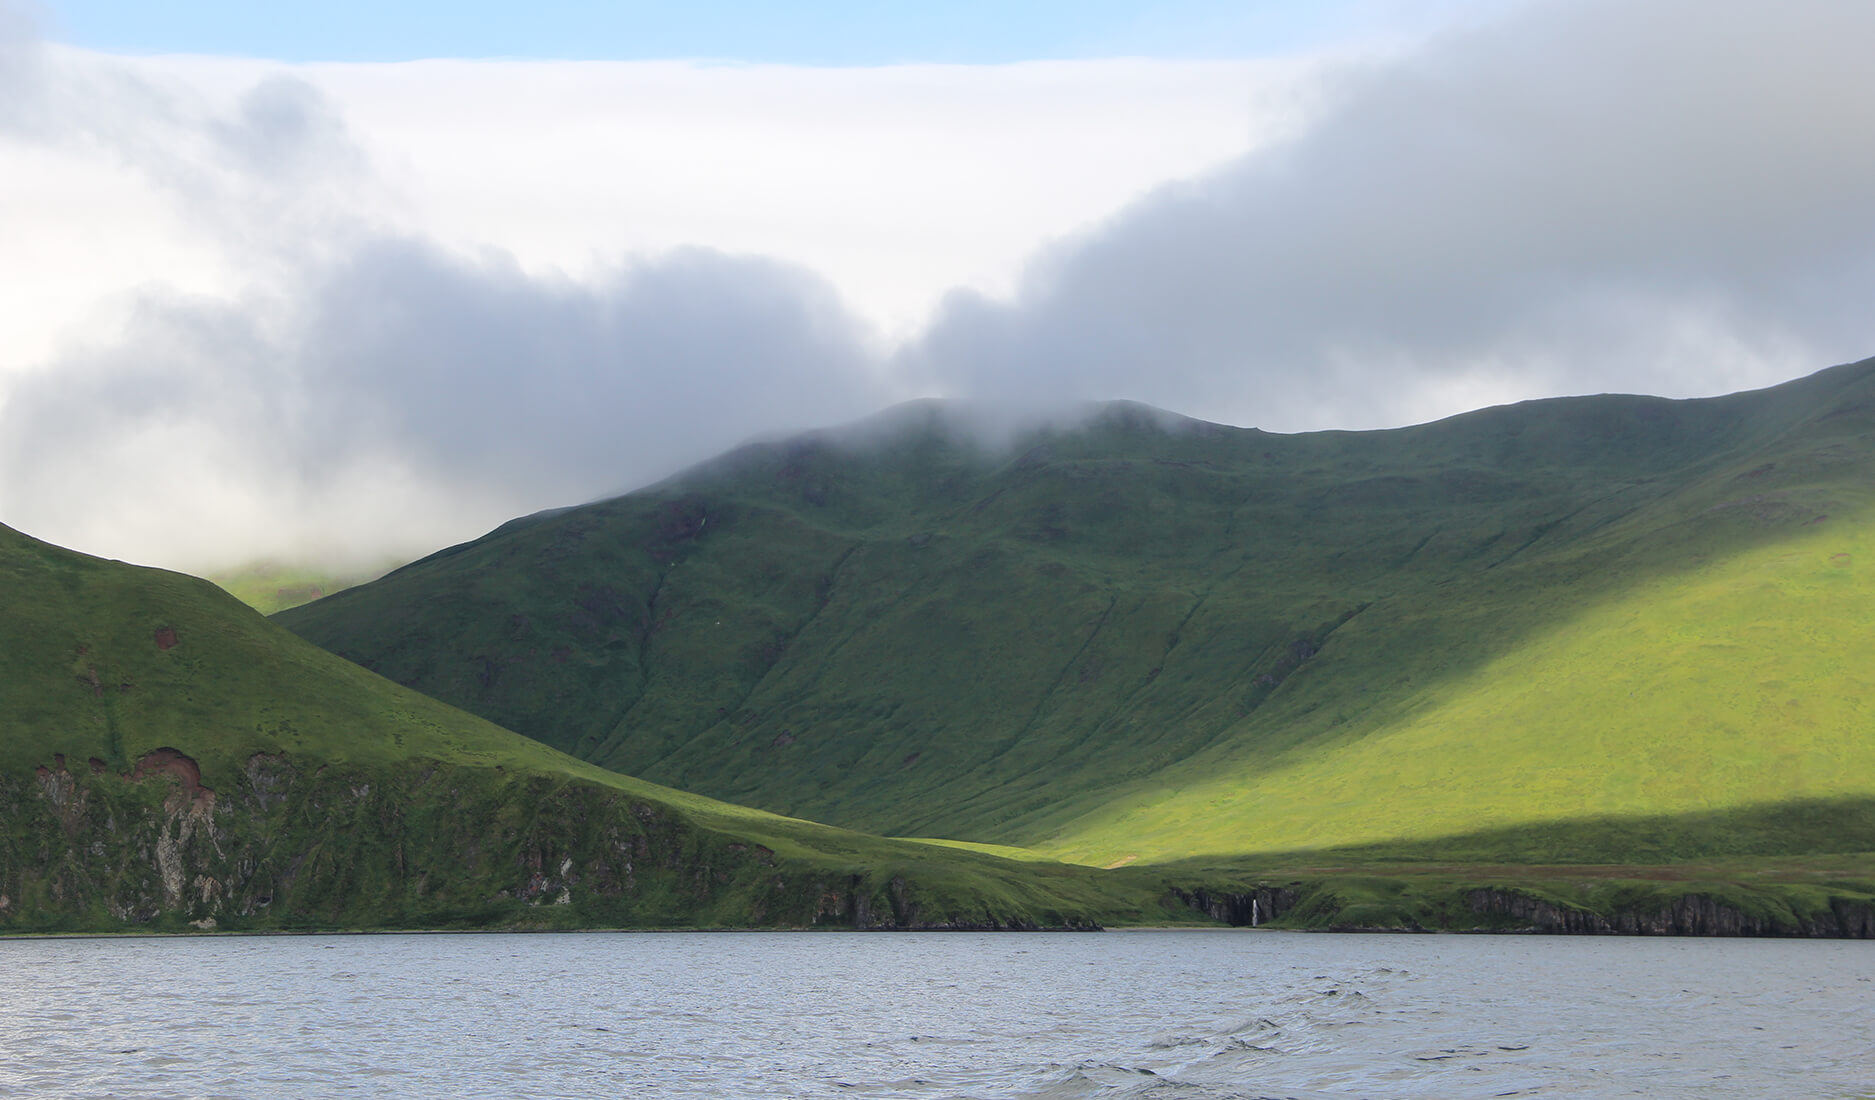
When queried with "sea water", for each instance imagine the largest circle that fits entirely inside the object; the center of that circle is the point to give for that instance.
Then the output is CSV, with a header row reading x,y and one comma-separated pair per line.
x,y
1011,1015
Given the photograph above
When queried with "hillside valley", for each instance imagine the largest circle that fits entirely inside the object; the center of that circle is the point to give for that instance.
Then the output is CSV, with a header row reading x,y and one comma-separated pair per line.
x,y
1582,665
1585,631
170,760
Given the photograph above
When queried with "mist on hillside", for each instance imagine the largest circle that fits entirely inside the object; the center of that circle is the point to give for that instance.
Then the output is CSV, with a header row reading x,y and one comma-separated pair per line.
x,y
1465,221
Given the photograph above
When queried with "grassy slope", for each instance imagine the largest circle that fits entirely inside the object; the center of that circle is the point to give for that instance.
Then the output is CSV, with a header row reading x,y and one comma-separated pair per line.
x,y
1523,633
1737,685
365,796
1701,658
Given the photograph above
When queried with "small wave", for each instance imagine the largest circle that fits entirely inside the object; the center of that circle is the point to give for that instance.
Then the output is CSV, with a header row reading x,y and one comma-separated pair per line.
x,y
1173,1042
1109,1081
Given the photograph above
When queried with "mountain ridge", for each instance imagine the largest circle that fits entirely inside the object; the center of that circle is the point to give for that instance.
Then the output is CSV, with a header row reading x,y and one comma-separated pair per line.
x,y
1052,631
170,760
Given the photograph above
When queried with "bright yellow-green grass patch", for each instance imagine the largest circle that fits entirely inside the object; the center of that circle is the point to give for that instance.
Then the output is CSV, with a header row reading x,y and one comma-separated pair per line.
x,y
271,586
1002,851
1744,682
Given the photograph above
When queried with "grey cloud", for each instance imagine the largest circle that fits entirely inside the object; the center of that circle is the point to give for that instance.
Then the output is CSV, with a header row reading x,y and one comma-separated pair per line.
x,y
282,174
283,128
409,396
373,393
1669,196
565,389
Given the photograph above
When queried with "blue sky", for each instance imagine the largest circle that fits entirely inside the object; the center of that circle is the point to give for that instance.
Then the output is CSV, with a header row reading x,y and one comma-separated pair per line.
x,y
825,32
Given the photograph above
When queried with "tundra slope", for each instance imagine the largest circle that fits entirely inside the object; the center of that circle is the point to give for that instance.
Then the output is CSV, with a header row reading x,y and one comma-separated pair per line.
x,y
169,759
1605,629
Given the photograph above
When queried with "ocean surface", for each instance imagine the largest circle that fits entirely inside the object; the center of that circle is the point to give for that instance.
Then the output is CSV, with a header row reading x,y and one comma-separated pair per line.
x,y
1186,1015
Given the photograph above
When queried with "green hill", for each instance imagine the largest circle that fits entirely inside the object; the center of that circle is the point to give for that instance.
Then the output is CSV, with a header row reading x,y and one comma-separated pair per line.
x,y
169,758
1613,630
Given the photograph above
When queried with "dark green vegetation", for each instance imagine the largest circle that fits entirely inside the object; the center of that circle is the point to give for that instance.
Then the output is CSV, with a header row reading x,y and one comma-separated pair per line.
x,y
1609,630
1829,897
170,759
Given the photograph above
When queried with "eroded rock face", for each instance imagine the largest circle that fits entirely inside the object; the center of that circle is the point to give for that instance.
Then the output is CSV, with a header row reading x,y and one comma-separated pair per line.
x,y
268,777
1249,907
286,845
192,796
307,848
1509,910
61,791
857,903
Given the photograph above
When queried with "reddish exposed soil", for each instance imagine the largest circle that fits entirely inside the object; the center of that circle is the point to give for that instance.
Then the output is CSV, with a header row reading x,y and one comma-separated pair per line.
x,y
185,770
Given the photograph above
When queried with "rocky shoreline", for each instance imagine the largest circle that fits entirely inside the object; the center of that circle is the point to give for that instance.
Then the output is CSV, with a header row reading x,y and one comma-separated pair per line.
x,y
1691,912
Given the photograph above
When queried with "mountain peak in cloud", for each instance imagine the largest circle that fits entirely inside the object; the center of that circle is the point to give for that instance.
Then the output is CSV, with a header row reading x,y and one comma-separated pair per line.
x,y
1575,197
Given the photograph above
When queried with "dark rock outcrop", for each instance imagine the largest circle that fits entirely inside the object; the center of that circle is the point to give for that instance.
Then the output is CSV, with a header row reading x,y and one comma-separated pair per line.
x,y
858,905
1239,909
1689,914
1617,909
299,845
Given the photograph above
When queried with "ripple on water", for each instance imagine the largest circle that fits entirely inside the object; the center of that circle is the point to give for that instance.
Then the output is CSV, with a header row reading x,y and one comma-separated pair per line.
x,y
1190,1015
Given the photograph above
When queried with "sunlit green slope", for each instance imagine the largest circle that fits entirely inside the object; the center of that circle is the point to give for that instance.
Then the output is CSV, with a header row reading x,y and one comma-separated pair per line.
x,y
1144,638
270,586
1738,686
169,757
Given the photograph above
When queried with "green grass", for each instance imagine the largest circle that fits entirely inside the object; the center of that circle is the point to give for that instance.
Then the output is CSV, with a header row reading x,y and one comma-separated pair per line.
x,y
1378,889
1592,664
270,586
330,797
1145,640
1735,684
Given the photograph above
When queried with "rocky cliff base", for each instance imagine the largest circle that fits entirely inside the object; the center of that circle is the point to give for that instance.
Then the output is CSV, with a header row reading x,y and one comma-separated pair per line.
x,y
299,845
1842,910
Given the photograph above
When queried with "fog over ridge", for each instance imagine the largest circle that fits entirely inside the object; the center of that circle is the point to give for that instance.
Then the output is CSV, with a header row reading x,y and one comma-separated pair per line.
x,y
1666,197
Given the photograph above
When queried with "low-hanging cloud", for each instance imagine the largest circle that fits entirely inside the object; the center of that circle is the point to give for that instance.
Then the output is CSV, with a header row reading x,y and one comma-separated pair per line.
x,y
409,394
372,392
1668,196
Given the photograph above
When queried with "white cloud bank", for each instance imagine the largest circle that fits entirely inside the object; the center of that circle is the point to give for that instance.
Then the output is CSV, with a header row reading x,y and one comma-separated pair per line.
x,y
350,310
360,309
1669,196
896,184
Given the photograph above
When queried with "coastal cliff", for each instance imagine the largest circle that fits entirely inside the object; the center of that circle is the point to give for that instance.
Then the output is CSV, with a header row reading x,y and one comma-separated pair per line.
x,y
286,847
1616,907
